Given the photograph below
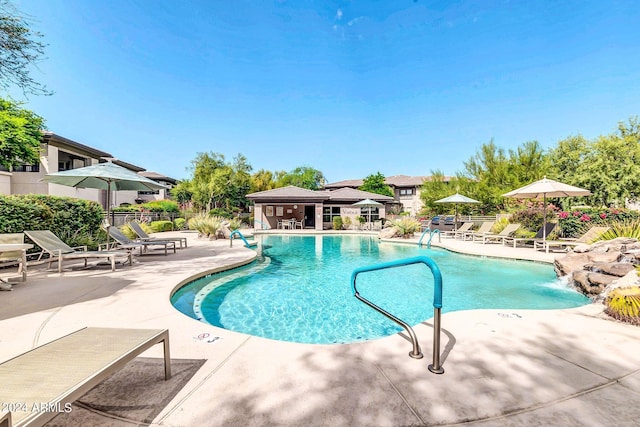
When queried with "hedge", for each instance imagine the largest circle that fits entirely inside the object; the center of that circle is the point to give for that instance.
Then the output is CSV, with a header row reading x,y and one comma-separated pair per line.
x,y
76,221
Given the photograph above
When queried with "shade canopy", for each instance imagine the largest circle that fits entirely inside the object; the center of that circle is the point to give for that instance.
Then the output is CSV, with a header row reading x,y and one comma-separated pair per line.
x,y
103,176
456,199
546,188
367,203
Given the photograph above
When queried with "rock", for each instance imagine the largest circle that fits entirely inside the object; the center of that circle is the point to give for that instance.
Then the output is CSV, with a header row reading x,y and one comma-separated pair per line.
x,y
618,269
630,279
595,269
388,233
564,265
591,284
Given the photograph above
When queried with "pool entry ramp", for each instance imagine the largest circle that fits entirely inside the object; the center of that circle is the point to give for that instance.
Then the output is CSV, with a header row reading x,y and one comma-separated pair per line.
x,y
416,353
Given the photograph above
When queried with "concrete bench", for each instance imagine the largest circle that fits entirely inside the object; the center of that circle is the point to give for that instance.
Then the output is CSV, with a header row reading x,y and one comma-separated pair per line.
x,y
41,383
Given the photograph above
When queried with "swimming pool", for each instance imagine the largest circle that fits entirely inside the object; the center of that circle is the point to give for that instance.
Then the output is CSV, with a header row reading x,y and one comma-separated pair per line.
x,y
299,289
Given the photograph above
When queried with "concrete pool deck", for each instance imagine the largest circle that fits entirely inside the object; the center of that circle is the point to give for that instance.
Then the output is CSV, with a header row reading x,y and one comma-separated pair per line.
x,y
502,367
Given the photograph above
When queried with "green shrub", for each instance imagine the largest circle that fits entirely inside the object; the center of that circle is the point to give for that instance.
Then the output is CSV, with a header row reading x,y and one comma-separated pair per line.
x,y
179,223
235,224
161,206
347,222
629,228
160,226
337,223
532,218
624,304
406,226
221,212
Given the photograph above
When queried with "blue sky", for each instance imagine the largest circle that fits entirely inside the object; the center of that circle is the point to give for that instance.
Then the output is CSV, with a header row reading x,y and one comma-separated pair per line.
x,y
347,87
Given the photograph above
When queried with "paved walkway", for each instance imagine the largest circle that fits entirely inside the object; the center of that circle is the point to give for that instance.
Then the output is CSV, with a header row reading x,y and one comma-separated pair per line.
x,y
502,367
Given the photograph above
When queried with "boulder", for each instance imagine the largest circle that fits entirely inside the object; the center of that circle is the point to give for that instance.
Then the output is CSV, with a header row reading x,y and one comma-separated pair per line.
x,y
595,268
618,269
388,233
591,284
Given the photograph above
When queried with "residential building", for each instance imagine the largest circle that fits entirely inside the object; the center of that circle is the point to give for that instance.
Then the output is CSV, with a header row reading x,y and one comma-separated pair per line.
x,y
59,154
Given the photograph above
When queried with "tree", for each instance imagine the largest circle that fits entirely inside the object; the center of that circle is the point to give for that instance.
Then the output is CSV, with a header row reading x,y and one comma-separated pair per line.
x,y
20,49
262,180
374,183
304,177
20,135
434,188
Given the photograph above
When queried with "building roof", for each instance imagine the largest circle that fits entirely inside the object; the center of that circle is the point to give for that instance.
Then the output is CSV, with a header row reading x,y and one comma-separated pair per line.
x,y
49,137
157,177
347,194
393,181
289,193
292,193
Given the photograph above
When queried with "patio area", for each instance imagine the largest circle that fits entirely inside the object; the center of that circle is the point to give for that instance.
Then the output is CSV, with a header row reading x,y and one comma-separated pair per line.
x,y
502,367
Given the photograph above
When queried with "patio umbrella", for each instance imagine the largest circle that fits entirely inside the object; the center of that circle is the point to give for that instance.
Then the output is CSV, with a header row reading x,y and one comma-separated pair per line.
x,y
103,176
456,198
367,203
546,188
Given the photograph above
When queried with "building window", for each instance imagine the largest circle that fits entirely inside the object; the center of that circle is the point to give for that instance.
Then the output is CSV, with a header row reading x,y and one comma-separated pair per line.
x,y
330,212
375,214
406,191
148,193
27,168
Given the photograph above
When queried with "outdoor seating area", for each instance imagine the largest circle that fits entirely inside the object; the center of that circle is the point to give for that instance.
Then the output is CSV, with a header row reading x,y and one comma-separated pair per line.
x,y
290,224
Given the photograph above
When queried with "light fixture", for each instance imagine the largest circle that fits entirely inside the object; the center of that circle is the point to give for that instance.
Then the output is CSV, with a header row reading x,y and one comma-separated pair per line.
x,y
295,206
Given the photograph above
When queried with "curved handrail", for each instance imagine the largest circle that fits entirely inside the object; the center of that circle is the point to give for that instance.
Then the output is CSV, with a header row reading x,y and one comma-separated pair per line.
x,y
437,304
238,233
433,233
427,230
263,226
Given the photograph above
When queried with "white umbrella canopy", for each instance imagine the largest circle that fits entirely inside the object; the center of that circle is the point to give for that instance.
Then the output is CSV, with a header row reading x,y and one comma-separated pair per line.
x,y
103,176
367,203
546,188
456,198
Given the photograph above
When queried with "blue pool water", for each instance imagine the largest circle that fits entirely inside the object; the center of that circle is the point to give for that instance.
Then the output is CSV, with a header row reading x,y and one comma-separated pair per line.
x,y
299,289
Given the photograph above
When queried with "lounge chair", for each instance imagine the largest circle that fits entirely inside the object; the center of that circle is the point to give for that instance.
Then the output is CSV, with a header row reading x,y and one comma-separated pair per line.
x,y
57,373
466,227
143,236
14,257
592,234
536,238
499,237
484,228
59,250
124,242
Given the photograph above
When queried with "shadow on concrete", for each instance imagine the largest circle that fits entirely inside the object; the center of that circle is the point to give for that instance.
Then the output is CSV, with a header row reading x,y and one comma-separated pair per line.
x,y
26,298
135,395
549,375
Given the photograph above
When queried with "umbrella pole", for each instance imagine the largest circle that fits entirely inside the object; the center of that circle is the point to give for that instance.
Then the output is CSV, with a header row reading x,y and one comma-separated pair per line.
x,y
544,217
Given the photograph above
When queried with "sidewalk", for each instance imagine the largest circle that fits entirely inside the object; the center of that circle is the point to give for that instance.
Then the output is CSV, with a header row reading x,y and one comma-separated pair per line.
x,y
502,367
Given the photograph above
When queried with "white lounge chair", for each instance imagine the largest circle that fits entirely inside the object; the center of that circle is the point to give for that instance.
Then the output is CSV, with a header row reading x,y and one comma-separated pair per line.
x,y
143,236
124,242
59,250
58,373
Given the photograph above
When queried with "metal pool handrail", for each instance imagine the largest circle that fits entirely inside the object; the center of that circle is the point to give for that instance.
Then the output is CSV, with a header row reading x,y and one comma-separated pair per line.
x,y
238,233
437,304
431,234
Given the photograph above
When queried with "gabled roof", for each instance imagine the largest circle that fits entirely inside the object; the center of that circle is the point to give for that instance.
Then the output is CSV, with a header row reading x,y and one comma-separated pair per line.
x,y
347,183
158,177
49,137
290,193
393,181
347,194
